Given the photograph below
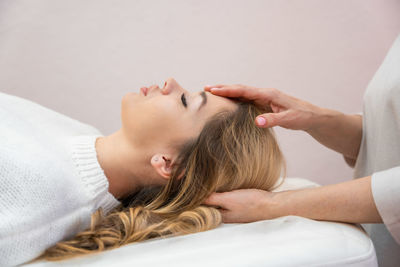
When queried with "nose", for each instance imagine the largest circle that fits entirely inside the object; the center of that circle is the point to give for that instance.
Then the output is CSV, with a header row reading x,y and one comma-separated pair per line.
x,y
171,85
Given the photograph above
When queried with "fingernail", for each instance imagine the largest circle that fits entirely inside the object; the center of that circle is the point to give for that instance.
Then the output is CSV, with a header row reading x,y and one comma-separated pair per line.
x,y
261,120
215,89
208,85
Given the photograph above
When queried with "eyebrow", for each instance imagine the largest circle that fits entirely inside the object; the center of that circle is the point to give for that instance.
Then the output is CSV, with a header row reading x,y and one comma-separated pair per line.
x,y
204,96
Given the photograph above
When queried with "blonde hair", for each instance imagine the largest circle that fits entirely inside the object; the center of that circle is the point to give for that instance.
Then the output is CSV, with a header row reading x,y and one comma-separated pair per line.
x,y
230,153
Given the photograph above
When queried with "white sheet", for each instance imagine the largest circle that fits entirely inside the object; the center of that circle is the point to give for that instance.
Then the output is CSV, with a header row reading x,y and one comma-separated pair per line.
x,y
285,241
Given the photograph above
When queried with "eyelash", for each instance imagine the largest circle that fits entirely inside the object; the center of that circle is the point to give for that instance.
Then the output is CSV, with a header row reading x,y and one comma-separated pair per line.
x,y
183,99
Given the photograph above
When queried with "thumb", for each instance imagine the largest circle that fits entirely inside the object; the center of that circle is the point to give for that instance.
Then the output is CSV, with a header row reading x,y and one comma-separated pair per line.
x,y
215,199
270,119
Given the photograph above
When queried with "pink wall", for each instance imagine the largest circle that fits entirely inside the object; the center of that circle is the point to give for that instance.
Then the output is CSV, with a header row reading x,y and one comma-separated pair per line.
x,y
81,57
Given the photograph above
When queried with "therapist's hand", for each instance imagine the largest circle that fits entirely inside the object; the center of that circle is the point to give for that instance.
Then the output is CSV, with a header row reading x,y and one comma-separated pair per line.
x,y
287,111
246,205
335,202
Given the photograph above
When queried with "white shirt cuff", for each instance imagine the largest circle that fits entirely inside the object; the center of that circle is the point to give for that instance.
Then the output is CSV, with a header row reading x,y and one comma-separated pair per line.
x,y
385,187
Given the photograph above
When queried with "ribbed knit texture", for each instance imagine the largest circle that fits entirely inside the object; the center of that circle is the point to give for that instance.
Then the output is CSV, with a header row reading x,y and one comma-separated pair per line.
x,y
50,179
85,159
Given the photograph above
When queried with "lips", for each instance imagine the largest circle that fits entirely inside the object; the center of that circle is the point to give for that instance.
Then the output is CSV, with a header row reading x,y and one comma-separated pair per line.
x,y
144,90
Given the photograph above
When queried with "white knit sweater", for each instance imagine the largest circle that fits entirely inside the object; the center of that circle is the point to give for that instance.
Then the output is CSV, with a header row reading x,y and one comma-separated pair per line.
x,y
50,179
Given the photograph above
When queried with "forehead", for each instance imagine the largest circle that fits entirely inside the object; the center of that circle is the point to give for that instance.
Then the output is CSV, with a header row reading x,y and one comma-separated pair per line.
x,y
218,103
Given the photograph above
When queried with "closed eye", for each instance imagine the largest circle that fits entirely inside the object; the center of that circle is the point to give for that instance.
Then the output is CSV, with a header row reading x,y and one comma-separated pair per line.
x,y
183,99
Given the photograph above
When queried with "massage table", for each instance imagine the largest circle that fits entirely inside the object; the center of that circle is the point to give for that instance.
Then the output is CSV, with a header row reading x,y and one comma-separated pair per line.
x,y
284,241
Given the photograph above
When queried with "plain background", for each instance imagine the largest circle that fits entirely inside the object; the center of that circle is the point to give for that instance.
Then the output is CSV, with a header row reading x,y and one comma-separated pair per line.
x,y
80,57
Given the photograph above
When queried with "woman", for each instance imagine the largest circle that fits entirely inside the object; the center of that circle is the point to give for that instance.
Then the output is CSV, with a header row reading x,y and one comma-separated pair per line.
x,y
173,150
370,142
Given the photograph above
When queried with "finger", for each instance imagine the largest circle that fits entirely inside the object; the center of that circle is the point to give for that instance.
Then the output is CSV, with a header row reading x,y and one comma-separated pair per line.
x,y
271,119
208,87
252,94
228,91
215,199
211,200
227,216
240,99
224,215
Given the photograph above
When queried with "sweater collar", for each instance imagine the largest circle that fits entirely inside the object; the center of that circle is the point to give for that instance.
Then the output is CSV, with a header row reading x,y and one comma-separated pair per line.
x,y
84,157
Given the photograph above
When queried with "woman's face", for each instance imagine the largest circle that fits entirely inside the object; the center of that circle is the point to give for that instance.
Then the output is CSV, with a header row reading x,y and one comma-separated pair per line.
x,y
159,119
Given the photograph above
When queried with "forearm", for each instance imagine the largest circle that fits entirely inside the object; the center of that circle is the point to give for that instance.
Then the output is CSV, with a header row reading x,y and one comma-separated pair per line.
x,y
338,131
350,201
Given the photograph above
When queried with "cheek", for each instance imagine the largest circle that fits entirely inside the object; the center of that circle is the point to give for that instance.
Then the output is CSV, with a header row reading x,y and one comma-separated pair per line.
x,y
150,121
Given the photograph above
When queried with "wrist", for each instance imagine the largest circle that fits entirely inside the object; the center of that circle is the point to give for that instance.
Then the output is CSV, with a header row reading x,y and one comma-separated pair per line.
x,y
321,119
276,205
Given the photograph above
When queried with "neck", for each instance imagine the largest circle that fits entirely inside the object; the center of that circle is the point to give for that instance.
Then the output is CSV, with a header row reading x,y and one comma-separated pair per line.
x,y
123,165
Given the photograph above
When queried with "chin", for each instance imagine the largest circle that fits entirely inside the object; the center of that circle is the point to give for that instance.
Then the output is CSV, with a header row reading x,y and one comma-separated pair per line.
x,y
131,94
129,98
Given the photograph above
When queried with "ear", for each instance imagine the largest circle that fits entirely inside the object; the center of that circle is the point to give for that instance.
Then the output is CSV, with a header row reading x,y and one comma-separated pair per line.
x,y
162,163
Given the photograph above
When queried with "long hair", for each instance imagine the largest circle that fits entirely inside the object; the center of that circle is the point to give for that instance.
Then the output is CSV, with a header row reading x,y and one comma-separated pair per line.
x,y
229,153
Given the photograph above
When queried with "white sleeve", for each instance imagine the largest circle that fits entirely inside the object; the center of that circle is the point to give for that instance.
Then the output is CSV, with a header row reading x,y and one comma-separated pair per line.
x,y
385,187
